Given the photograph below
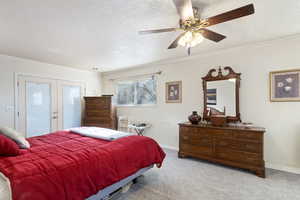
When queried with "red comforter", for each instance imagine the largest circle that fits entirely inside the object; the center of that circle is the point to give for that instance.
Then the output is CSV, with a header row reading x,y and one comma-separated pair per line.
x,y
67,166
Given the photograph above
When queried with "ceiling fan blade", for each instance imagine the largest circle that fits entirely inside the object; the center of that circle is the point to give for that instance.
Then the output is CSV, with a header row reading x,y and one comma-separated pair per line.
x,y
157,31
230,15
184,9
175,43
211,35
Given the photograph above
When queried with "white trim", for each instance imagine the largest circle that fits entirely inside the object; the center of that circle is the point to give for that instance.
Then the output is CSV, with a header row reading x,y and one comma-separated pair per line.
x,y
16,98
294,170
46,77
279,167
16,90
170,148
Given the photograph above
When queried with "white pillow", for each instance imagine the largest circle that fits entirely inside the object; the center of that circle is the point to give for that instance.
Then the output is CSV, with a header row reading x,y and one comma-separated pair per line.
x,y
16,136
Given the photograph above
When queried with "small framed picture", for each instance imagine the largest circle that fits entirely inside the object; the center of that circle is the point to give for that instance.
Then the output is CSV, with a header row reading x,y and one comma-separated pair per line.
x,y
174,92
285,85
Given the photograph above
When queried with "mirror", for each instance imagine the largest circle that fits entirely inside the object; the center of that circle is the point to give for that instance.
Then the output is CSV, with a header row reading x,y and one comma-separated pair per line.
x,y
221,94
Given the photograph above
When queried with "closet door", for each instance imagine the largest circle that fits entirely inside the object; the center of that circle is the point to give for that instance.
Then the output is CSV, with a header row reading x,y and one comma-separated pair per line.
x,y
37,105
70,103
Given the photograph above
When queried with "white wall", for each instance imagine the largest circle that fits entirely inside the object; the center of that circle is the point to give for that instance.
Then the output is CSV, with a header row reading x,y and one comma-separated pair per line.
x,y
281,120
11,65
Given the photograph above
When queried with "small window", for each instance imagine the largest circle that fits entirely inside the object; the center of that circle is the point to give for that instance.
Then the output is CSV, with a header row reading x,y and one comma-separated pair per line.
x,y
136,92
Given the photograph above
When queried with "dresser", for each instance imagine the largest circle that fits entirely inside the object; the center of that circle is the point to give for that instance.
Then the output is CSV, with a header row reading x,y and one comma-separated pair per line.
x,y
100,112
229,145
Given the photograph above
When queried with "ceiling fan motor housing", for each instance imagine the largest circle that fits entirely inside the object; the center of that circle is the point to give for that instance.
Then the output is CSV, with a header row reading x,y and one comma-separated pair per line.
x,y
193,24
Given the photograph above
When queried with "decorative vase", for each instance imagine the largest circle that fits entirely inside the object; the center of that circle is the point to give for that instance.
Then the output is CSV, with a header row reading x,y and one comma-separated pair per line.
x,y
194,118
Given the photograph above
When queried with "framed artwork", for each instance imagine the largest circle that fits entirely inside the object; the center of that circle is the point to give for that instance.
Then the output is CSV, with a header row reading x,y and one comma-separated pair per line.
x,y
174,92
285,85
211,96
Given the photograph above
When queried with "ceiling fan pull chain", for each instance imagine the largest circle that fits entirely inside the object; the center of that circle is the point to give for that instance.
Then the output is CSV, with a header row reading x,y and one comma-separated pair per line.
x,y
189,51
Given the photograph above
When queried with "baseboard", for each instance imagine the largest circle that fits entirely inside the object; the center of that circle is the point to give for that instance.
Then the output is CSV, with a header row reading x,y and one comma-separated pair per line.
x,y
169,147
294,170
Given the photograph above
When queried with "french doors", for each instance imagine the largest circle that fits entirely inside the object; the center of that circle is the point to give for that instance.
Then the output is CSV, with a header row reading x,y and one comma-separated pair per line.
x,y
47,105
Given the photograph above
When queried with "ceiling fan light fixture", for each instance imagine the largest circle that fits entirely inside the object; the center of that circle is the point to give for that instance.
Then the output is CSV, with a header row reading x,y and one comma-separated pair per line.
x,y
197,39
190,39
185,39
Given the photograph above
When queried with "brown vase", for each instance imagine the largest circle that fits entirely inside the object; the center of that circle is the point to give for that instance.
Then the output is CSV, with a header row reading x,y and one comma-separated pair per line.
x,y
195,118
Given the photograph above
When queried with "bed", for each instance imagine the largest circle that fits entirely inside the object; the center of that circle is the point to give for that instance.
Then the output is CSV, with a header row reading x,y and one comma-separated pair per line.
x,y
64,165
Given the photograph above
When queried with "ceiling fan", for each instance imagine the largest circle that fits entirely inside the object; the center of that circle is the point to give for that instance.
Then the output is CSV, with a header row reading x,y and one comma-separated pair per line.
x,y
195,28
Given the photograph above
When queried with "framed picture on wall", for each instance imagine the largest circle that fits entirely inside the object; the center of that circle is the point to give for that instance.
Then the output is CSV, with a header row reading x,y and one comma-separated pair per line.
x,y
174,92
285,85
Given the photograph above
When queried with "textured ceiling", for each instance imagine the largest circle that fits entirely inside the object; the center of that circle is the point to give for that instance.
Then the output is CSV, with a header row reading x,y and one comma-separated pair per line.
x,y
103,33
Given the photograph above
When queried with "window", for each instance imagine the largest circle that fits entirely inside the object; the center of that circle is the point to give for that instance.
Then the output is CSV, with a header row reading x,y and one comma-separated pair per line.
x,y
137,92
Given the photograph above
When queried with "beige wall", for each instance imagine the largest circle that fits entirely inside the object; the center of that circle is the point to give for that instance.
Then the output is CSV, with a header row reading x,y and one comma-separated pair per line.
x,y
11,65
282,120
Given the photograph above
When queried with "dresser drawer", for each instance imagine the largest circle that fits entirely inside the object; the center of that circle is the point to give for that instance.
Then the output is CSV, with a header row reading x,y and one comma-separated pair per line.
x,y
197,149
196,140
251,147
103,101
89,106
96,120
249,135
238,156
187,131
220,133
97,113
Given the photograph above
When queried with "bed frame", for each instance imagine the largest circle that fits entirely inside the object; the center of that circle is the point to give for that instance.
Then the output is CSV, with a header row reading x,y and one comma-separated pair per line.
x,y
110,191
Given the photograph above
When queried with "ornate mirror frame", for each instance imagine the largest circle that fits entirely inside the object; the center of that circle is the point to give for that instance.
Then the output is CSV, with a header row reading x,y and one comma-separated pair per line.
x,y
230,75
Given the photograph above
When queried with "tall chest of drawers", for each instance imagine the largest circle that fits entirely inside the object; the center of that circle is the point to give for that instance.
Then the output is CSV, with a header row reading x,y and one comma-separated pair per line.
x,y
100,112
234,146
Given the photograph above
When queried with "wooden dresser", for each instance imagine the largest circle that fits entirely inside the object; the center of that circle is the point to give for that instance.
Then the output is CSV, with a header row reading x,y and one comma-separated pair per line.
x,y
234,146
100,112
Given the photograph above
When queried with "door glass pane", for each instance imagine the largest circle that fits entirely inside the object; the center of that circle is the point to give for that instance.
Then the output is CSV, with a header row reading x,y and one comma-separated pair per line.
x,y
71,106
38,107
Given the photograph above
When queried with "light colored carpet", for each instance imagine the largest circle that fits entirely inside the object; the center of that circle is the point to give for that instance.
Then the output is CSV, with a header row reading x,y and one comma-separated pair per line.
x,y
188,179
